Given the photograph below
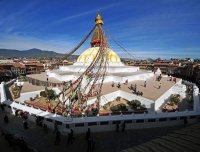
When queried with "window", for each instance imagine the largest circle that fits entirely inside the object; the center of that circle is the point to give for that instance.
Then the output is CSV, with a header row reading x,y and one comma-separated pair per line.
x,y
140,121
41,118
183,118
163,119
151,120
92,124
67,126
79,125
104,123
193,117
128,121
173,118
114,122
58,122
50,120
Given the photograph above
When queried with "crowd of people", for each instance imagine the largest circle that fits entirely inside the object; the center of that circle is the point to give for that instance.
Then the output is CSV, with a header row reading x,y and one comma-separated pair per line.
x,y
20,113
132,87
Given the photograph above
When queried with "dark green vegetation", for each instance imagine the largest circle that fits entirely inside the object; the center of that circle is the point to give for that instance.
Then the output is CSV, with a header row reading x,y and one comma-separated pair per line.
x,y
119,107
51,94
136,105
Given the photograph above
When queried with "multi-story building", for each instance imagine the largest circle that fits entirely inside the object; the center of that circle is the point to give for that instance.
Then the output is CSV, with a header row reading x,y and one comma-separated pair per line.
x,y
141,65
18,69
33,68
23,68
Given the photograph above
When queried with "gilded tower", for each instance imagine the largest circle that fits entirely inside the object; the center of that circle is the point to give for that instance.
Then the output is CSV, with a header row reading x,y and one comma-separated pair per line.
x,y
97,38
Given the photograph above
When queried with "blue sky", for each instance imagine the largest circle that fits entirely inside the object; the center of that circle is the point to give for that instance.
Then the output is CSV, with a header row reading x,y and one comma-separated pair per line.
x,y
145,28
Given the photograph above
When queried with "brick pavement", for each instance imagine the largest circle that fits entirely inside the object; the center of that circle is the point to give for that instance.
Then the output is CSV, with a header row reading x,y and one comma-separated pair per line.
x,y
105,141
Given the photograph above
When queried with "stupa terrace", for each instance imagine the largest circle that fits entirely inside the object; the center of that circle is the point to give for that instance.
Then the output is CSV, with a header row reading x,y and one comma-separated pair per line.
x,y
148,92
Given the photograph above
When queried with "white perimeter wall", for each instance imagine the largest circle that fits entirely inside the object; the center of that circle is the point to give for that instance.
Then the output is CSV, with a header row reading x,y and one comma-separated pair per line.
x,y
162,99
3,93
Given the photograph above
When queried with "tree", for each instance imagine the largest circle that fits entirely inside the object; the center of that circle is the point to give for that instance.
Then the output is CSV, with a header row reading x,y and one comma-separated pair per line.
x,y
51,94
135,104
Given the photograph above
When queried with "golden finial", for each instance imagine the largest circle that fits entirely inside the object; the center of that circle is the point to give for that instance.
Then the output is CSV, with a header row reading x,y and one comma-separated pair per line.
x,y
98,19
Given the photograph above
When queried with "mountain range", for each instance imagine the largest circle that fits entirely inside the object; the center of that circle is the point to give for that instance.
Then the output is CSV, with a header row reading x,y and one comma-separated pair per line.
x,y
31,53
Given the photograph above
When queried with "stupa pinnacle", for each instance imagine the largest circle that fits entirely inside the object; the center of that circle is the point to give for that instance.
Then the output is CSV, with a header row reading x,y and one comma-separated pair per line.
x,y
97,36
98,18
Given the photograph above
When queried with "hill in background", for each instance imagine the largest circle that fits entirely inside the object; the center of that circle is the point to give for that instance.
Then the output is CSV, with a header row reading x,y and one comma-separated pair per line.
x,y
32,53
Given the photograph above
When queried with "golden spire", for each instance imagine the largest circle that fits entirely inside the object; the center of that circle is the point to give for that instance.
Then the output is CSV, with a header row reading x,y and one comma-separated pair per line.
x,y
96,38
98,18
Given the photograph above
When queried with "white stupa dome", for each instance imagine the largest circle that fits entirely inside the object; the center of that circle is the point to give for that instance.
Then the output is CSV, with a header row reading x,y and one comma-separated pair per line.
x,y
89,55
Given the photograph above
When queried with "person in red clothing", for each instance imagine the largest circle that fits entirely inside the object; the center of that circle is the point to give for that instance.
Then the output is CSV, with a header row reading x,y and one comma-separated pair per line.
x,y
175,80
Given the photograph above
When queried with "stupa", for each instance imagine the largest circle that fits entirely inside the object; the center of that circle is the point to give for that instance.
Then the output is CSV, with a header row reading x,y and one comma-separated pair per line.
x,y
158,71
71,72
